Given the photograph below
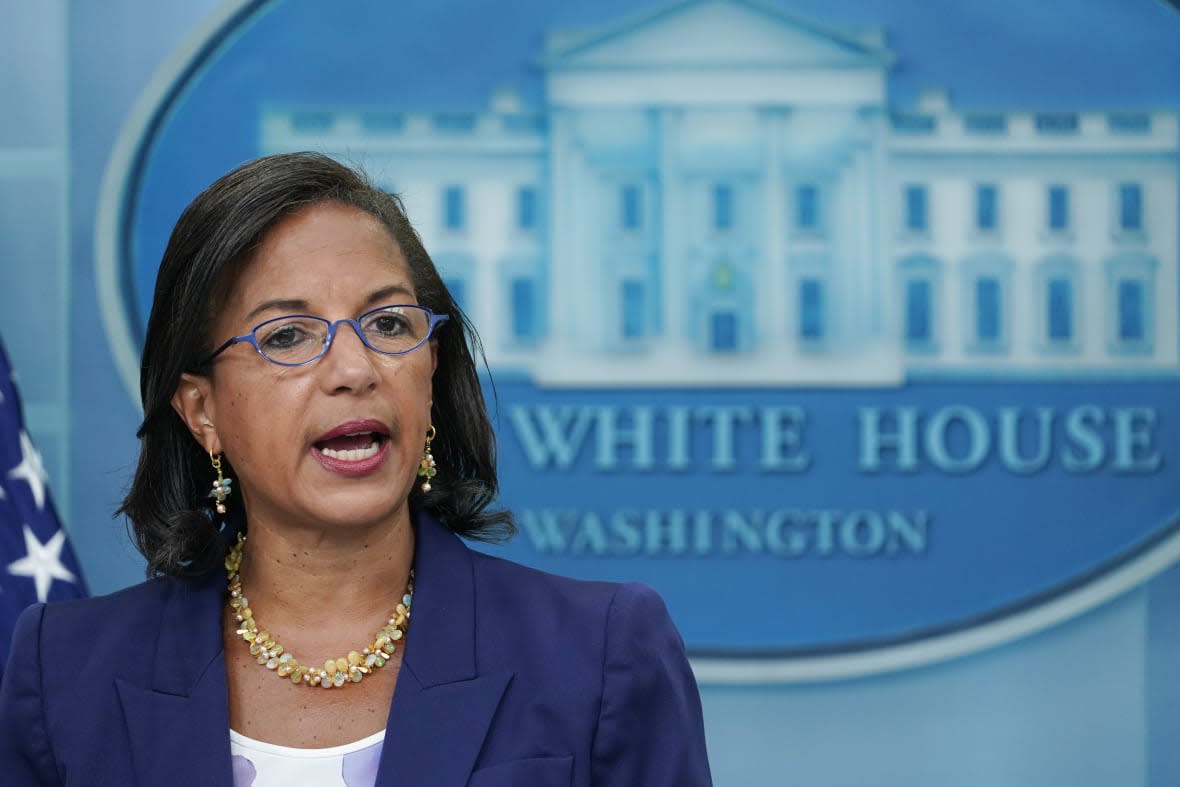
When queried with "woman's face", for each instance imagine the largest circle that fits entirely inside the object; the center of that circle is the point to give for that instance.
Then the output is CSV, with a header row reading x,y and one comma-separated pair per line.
x,y
336,442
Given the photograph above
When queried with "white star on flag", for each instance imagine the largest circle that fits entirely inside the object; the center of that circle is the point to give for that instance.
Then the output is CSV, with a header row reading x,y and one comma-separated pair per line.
x,y
42,563
31,470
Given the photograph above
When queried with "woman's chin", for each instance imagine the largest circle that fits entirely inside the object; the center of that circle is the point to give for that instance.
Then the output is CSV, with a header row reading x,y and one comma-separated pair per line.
x,y
355,509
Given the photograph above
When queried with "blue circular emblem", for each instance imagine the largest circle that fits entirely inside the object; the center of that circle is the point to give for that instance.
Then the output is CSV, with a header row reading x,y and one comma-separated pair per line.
x,y
858,376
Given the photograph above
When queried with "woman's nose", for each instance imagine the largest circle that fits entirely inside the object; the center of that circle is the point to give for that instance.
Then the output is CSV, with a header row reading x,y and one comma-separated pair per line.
x,y
349,361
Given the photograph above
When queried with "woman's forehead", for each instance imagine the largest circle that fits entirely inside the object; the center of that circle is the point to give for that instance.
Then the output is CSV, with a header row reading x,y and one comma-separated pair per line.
x,y
327,231
324,252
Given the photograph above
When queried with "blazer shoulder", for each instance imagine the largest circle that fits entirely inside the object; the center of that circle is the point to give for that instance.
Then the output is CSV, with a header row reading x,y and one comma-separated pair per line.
x,y
547,607
513,581
128,602
132,614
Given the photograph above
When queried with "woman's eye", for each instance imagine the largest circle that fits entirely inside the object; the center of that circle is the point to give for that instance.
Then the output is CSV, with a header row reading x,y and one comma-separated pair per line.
x,y
284,338
388,324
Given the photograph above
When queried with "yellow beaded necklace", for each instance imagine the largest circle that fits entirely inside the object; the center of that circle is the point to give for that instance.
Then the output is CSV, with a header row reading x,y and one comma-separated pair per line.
x,y
336,672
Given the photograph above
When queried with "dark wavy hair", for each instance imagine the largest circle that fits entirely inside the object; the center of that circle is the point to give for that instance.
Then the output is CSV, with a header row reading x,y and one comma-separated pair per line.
x,y
170,514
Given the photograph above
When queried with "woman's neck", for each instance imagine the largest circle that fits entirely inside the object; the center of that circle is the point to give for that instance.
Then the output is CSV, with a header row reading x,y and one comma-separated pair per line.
x,y
308,576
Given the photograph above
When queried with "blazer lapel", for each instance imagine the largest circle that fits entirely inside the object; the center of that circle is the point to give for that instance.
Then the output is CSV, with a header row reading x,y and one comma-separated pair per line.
x,y
441,707
179,724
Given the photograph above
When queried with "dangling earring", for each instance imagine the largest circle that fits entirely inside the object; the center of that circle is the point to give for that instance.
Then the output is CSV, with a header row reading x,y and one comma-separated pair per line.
x,y
426,468
222,487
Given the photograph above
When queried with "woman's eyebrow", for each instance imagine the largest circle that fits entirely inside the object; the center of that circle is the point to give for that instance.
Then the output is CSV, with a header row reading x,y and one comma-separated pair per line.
x,y
287,305
378,296
293,305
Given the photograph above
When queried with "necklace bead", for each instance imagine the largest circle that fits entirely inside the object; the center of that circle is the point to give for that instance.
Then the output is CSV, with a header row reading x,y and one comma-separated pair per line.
x,y
271,654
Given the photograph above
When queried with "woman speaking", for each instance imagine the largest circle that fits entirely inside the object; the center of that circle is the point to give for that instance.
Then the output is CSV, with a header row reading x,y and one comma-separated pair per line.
x,y
315,441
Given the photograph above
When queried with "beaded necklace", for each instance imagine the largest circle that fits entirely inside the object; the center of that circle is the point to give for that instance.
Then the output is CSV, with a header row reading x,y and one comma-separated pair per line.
x,y
270,653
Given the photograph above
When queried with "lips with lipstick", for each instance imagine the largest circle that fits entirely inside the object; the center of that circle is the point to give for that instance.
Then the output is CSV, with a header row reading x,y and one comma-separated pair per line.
x,y
353,448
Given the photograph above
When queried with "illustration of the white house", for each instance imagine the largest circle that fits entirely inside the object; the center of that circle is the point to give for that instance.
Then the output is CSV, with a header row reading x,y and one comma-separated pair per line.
x,y
721,193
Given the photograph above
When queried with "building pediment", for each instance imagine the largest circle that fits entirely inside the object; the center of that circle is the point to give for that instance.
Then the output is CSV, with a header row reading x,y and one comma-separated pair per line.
x,y
715,34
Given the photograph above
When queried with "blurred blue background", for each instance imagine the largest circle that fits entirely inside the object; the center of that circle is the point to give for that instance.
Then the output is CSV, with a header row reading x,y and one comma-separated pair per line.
x,y
93,173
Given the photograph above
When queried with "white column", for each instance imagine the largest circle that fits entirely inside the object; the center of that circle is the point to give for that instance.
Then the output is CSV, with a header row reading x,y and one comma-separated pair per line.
x,y
775,304
880,234
584,229
562,287
856,278
674,269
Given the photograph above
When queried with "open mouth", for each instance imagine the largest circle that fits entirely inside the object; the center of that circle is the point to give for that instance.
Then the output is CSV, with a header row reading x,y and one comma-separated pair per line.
x,y
353,447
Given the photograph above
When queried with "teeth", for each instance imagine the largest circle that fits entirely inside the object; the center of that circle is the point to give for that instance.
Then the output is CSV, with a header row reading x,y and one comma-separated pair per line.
x,y
352,454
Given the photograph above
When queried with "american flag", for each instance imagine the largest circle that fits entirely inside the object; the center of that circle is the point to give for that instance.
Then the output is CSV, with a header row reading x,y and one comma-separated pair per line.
x,y
36,562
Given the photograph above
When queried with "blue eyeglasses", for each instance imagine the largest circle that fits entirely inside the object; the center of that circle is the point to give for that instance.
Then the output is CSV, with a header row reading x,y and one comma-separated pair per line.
x,y
298,339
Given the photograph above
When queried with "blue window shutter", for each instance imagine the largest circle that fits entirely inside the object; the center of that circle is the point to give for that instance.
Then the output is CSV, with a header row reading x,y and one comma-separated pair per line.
x,y
631,207
1059,309
526,208
987,309
915,208
807,207
524,317
453,208
1058,208
985,207
458,289
723,331
722,206
918,311
1131,322
633,302
811,309
1130,207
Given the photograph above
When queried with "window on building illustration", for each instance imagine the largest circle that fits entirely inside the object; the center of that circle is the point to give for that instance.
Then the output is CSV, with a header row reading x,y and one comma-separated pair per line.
x,y
918,311
987,309
526,208
986,207
634,300
1130,207
915,208
524,308
311,121
1058,208
807,218
1059,309
722,206
630,207
1130,310
1057,123
382,121
454,209
1129,122
985,123
723,331
454,121
524,122
913,123
811,309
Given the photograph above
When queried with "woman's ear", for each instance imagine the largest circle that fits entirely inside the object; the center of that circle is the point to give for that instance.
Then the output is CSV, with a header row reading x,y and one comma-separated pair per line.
x,y
193,403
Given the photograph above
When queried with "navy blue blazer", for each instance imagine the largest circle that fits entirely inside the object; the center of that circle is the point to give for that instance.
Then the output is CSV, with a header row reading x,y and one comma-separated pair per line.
x,y
510,677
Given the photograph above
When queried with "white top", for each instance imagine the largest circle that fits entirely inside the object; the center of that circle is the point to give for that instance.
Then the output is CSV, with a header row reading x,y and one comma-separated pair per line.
x,y
260,764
